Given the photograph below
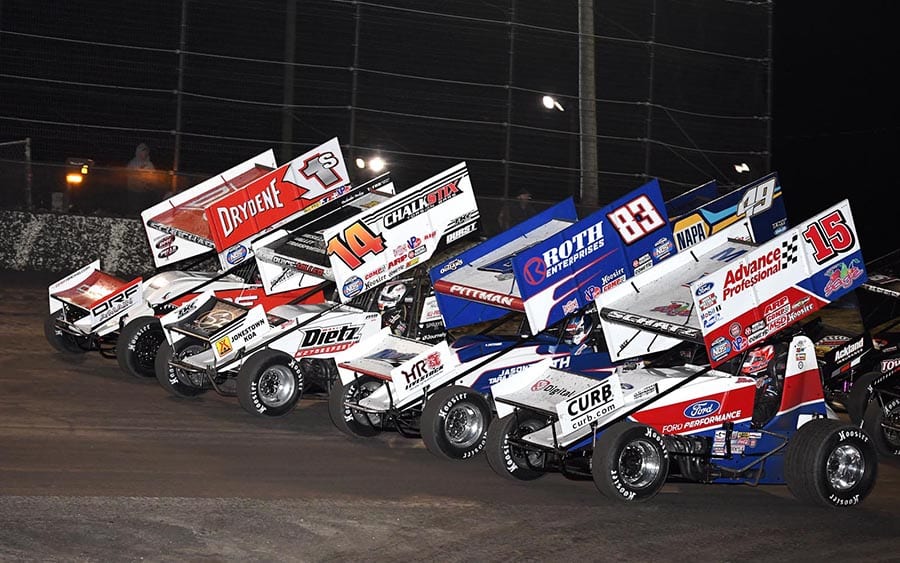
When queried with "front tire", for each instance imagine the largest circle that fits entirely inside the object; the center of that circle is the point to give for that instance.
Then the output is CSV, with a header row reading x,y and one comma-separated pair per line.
x,y
454,422
269,383
630,462
830,463
509,460
137,345
886,440
60,340
176,381
350,421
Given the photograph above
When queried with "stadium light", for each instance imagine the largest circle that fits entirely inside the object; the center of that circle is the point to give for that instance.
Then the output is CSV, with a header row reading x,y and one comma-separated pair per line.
x,y
550,103
375,164
742,167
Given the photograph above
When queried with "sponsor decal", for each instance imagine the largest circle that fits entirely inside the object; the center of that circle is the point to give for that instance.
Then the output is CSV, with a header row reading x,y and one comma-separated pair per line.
x,y
690,234
702,421
168,251
421,204
236,254
115,304
590,405
233,216
353,286
842,276
224,346
591,292
483,296
328,340
422,370
675,309
164,241
703,289
719,348
451,265
570,306
653,324
746,275
702,408
565,255
848,351
460,233
890,365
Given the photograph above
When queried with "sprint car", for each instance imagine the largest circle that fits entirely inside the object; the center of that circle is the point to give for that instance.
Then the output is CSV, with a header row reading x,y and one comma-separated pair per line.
x,y
730,392
876,393
214,221
548,269
371,253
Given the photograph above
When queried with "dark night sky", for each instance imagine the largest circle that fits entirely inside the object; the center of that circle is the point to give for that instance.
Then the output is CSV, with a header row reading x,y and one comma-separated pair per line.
x,y
835,113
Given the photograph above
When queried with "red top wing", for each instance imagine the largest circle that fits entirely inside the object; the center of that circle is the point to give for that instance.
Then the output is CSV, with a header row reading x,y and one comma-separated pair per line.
x,y
189,217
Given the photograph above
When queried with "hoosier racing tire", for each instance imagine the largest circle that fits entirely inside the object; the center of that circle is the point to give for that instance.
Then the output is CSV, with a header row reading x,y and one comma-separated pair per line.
x,y
269,383
830,463
60,340
137,345
885,440
509,460
454,422
348,420
859,396
174,380
630,462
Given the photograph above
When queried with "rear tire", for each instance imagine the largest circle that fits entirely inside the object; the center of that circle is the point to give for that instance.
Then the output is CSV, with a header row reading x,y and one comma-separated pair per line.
x,y
269,383
137,345
511,461
886,442
176,381
630,462
859,396
830,463
350,421
454,422
62,341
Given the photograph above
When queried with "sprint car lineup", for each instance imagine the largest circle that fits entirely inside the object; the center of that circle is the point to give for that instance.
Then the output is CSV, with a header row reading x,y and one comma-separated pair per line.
x,y
651,340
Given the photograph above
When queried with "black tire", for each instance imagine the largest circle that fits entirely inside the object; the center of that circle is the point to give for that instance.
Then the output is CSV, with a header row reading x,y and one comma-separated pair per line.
x,y
137,345
830,463
859,396
454,422
630,462
269,383
173,380
318,373
62,341
353,422
885,440
508,460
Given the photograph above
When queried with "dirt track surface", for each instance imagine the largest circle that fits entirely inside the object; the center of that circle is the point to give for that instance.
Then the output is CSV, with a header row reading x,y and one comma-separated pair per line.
x,y
98,466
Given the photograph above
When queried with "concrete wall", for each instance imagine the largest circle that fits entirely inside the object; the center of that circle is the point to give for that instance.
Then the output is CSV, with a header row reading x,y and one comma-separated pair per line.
x,y
50,242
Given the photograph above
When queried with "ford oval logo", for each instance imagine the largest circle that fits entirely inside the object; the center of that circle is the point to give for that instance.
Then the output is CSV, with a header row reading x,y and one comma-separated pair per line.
x,y
702,408
704,289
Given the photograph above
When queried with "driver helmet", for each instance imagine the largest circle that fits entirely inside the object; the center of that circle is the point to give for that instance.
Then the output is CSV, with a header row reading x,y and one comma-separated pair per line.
x,y
391,296
578,329
757,360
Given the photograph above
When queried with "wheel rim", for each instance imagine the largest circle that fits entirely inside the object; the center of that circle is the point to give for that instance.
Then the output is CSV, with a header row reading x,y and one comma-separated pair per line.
x,y
890,425
363,391
845,467
189,378
276,386
526,457
639,464
464,425
145,349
